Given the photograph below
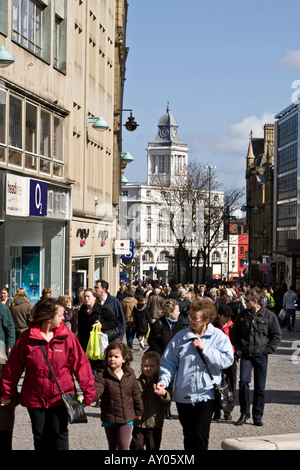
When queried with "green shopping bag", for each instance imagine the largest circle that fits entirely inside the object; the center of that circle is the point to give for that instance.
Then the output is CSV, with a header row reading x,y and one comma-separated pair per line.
x,y
93,350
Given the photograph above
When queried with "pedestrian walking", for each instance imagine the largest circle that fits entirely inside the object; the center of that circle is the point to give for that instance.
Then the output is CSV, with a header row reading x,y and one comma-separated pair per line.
x,y
255,334
5,298
113,304
128,304
290,299
92,312
20,309
142,320
7,334
155,303
193,389
39,393
225,323
147,431
121,401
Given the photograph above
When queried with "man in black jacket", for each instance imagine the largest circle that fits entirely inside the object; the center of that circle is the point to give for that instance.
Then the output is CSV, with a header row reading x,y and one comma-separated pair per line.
x,y
112,303
255,334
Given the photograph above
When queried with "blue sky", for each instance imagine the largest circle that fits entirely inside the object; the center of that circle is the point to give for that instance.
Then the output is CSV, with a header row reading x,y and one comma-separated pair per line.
x,y
225,66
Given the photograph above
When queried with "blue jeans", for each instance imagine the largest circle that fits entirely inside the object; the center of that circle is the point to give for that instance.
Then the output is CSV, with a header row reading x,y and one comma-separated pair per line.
x,y
290,313
259,364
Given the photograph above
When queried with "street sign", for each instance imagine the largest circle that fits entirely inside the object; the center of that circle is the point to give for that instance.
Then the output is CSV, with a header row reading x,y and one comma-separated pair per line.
x,y
130,254
263,267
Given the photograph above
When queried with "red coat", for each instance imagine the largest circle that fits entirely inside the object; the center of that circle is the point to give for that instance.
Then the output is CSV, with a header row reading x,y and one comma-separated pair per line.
x,y
225,329
65,355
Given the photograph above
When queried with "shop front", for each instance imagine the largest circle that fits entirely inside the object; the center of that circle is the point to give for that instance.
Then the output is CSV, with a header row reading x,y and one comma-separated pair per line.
x,y
91,253
34,235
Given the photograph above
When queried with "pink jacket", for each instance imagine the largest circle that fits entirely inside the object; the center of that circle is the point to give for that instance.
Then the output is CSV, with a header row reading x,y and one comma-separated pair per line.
x,y
65,355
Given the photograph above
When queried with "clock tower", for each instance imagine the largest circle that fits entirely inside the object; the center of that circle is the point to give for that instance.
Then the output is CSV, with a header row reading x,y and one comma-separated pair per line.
x,y
167,155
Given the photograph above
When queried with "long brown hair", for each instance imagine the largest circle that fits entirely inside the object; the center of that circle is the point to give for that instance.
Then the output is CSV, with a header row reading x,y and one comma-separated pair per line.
x,y
45,309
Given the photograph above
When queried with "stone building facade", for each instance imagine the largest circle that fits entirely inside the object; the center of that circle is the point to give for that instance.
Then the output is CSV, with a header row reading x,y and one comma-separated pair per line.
x,y
59,176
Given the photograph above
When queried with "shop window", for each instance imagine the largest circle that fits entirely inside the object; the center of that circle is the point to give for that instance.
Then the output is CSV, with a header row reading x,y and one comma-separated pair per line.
x,y
45,149
15,158
31,128
15,122
34,136
2,117
2,154
31,162
58,139
45,166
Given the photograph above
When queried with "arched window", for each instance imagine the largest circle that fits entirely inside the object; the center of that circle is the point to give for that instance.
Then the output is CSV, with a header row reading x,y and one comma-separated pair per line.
x,y
148,256
163,256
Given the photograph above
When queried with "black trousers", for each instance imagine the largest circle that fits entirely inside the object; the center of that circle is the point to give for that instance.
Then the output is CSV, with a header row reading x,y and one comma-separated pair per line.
x,y
49,428
145,438
5,440
195,420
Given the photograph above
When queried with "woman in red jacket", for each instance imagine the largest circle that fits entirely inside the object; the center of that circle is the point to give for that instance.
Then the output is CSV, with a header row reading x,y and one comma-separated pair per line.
x,y
39,392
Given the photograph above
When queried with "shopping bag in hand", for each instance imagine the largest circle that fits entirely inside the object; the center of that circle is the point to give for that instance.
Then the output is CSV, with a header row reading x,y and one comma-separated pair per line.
x,y
103,343
93,350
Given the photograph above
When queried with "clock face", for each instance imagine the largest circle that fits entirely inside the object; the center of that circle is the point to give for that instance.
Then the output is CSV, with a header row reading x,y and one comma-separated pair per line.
x,y
164,132
174,132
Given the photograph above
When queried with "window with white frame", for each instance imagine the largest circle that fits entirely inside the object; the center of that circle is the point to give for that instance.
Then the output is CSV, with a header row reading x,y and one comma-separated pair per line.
x,y
27,24
33,139
148,256
148,236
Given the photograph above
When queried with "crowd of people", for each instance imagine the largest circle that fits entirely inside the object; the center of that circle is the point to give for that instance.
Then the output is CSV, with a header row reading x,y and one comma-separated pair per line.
x,y
227,322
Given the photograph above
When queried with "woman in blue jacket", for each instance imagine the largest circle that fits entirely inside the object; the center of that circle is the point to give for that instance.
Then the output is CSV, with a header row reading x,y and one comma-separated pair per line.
x,y
193,390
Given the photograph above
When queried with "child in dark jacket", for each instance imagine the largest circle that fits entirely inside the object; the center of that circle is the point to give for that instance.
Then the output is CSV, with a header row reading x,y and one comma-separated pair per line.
x,y
121,400
147,432
142,319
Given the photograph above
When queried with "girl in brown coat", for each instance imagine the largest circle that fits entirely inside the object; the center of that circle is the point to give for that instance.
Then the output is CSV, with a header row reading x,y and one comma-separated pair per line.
x,y
121,399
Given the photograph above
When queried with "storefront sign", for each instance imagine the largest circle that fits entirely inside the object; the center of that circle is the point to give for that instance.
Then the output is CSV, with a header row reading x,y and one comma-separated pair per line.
x,y
16,195
38,198
122,247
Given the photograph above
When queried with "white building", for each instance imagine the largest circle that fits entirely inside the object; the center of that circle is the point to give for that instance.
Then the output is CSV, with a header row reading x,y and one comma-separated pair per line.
x,y
145,215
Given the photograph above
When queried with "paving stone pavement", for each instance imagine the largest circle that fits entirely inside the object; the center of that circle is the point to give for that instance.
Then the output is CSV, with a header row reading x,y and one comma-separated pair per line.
x,y
282,410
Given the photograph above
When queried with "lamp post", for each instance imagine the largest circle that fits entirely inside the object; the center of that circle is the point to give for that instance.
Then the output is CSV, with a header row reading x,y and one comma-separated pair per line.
x,y
249,209
228,217
208,230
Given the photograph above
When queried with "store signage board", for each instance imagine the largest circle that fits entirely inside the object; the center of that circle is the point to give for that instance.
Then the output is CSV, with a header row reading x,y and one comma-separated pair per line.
x,y
122,247
26,197
17,189
38,198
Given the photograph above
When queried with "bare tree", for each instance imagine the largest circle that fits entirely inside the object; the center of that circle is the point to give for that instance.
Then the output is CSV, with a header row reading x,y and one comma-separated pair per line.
x,y
194,205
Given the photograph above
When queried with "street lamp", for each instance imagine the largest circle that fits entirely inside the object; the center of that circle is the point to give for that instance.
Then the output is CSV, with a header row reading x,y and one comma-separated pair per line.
x,y
99,123
228,217
5,58
209,190
131,124
249,209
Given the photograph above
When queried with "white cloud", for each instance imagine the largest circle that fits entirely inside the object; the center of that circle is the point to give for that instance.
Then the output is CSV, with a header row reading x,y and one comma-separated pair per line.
x,y
236,141
291,60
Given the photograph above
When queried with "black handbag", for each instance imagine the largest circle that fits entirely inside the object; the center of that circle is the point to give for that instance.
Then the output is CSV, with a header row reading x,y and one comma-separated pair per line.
x,y
73,407
111,333
223,394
